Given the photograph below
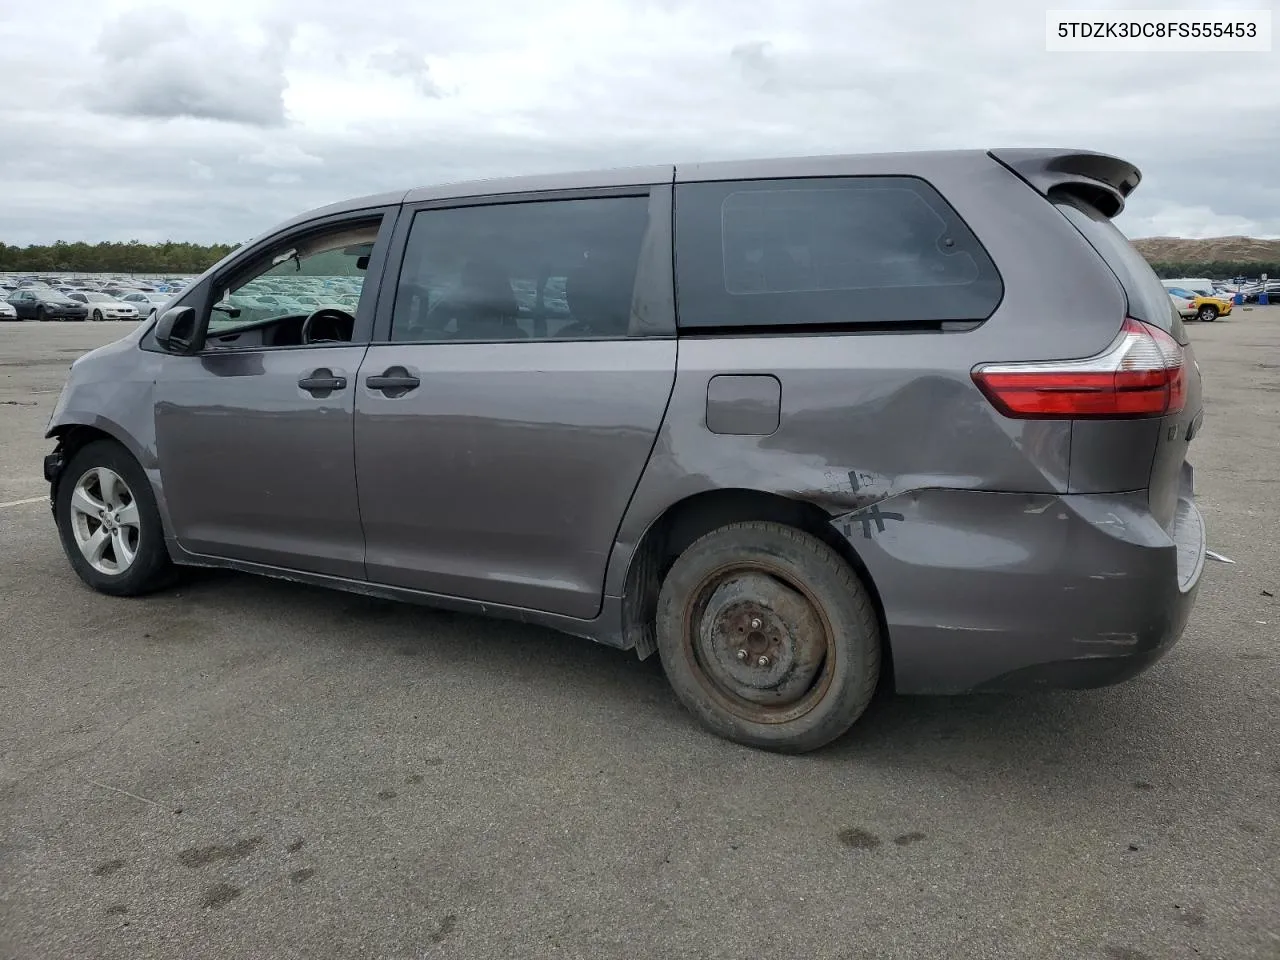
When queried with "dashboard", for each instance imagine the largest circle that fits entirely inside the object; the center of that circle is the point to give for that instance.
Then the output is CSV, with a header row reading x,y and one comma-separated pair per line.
x,y
293,330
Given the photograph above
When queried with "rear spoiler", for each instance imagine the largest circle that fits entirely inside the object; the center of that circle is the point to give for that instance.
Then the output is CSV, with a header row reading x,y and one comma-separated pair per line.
x,y
1100,179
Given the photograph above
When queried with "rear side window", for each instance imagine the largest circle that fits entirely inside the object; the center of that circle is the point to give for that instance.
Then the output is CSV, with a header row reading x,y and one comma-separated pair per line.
x,y
826,252
1147,296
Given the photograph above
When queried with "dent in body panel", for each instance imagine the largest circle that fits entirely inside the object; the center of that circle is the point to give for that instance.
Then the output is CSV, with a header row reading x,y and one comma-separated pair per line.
x,y
863,418
976,585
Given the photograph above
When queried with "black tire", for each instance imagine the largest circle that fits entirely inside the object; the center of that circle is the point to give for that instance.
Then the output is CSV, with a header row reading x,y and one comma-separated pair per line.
x,y
834,597
151,568
41,315
1207,314
97,315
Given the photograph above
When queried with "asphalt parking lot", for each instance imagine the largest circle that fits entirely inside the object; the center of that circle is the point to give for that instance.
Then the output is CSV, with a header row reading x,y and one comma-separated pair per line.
x,y
249,768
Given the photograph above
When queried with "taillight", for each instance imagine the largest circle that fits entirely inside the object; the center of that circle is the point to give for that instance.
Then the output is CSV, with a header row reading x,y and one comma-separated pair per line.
x,y
1140,375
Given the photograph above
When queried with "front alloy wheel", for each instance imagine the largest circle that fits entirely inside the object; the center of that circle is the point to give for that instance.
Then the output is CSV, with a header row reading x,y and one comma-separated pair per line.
x,y
108,521
104,521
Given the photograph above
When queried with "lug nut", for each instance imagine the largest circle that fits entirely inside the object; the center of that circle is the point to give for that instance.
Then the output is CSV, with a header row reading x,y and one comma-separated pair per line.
x,y
742,655
762,662
756,623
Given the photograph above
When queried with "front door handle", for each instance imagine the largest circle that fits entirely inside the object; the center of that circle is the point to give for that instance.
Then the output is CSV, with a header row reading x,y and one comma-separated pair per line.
x,y
320,383
395,382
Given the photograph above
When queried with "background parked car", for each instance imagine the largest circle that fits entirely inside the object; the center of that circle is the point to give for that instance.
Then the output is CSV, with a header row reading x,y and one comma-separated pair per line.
x,y
1185,305
147,303
104,307
7,312
1207,309
41,303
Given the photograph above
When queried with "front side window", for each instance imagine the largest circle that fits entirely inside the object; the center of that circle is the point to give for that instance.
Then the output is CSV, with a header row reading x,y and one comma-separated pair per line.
x,y
328,265
827,252
555,269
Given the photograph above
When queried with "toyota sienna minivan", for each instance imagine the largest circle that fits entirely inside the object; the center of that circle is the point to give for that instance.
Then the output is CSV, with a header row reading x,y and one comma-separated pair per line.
x,y
797,426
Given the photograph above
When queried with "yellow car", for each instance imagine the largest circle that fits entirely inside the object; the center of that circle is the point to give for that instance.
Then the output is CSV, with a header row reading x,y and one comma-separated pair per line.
x,y
1191,304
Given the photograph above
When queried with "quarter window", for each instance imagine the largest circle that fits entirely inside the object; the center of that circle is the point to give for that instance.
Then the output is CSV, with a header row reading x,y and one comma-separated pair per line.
x,y
554,269
826,252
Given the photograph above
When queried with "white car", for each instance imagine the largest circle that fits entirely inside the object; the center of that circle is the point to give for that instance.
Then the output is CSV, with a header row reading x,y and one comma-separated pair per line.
x,y
1185,306
7,312
148,304
104,307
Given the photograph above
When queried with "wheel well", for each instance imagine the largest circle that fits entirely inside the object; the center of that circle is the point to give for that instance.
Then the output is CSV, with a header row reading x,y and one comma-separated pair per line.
x,y
685,521
74,437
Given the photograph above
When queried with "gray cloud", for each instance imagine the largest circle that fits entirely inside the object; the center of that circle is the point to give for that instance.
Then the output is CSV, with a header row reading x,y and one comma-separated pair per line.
x,y
404,61
159,64
323,99
755,59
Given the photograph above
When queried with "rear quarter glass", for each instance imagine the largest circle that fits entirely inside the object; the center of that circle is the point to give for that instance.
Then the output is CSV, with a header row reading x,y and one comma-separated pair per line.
x,y
1147,296
827,252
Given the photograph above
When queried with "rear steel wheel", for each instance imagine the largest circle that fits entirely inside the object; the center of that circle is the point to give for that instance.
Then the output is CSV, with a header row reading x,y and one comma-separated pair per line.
x,y
768,636
758,642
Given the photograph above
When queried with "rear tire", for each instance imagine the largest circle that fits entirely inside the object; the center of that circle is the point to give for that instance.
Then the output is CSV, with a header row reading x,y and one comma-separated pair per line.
x,y
123,554
1207,314
41,315
768,637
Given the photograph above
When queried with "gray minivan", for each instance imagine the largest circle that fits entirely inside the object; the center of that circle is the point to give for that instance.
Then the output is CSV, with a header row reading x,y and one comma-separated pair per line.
x,y
796,425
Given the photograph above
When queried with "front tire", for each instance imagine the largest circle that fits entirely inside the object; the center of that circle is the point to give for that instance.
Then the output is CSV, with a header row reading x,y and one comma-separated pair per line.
x,y
108,522
97,315
768,637
1207,314
41,315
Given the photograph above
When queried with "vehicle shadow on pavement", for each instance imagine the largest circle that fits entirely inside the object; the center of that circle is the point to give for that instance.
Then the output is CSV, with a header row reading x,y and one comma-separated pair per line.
x,y
1111,732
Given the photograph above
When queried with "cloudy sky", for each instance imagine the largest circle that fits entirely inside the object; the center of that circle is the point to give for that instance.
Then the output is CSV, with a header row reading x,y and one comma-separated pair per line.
x,y
211,121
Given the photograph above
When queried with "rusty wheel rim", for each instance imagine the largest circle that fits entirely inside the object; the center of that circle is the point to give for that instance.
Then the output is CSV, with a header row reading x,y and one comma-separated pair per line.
x,y
758,642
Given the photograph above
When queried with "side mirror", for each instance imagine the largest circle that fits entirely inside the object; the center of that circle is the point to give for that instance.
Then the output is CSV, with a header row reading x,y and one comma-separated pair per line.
x,y
176,331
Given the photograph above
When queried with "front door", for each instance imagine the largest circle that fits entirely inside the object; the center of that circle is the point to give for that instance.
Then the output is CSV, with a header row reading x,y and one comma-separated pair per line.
x,y
254,435
502,429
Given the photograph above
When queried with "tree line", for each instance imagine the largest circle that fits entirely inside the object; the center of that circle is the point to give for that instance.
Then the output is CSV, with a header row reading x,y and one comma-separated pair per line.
x,y
193,258
121,258
1214,269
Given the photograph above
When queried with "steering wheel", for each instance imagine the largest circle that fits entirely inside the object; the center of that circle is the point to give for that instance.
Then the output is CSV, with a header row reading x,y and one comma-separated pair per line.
x,y
333,325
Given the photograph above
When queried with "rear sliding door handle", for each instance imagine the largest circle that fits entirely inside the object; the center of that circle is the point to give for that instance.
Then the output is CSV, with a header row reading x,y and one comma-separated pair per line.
x,y
395,382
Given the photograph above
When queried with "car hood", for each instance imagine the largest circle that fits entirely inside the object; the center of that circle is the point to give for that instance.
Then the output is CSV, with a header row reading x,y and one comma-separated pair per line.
x,y
85,365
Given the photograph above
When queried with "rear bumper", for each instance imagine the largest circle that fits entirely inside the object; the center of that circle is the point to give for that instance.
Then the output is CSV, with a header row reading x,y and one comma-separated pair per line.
x,y
1002,591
